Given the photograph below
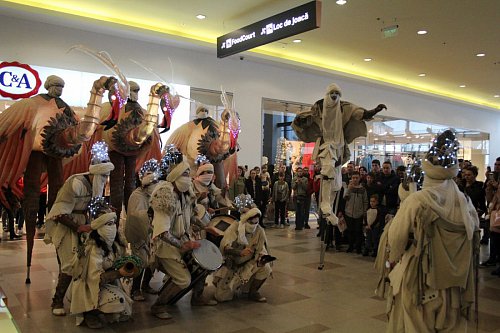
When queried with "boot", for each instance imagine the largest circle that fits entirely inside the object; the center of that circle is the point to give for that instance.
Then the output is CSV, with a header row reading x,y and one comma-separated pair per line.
x,y
253,293
136,288
158,309
12,229
92,319
197,298
63,283
148,275
138,296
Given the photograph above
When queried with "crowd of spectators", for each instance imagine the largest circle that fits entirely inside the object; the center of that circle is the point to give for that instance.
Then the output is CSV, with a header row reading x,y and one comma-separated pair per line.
x,y
367,200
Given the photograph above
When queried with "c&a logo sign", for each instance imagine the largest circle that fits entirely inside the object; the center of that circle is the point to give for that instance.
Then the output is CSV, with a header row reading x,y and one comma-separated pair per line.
x,y
18,80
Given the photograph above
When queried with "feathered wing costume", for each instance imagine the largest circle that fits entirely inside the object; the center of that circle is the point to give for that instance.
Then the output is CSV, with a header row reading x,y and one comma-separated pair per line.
x,y
133,140
17,135
215,140
37,133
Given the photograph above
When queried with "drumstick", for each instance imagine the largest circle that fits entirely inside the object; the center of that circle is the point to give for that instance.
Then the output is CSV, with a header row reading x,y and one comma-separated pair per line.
x,y
218,209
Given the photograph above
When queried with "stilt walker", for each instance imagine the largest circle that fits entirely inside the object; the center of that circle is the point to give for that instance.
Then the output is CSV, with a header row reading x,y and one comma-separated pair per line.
x,y
332,124
35,135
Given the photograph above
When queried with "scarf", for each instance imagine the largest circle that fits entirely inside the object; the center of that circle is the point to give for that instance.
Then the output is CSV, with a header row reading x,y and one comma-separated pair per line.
x,y
204,167
100,172
177,171
106,231
441,194
242,239
333,131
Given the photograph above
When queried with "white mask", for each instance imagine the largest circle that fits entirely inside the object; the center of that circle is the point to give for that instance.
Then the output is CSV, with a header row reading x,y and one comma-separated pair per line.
x,y
205,179
250,228
108,233
134,96
55,91
150,189
182,183
202,115
148,178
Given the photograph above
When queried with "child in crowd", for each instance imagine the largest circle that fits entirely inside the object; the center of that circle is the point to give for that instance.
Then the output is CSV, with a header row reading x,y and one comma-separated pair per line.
x,y
374,225
265,180
356,204
280,198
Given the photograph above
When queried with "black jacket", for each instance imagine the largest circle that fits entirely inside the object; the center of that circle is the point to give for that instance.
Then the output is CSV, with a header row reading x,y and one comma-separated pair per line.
x,y
477,195
255,193
390,184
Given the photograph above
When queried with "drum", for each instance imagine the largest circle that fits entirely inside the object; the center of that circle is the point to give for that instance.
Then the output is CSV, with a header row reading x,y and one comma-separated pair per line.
x,y
220,224
200,262
207,256
202,215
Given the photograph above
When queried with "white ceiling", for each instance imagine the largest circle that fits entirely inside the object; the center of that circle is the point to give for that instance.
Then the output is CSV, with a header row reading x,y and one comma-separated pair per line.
x,y
457,31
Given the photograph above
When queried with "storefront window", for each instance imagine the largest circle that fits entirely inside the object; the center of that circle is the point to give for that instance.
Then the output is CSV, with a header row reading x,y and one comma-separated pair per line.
x,y
280,144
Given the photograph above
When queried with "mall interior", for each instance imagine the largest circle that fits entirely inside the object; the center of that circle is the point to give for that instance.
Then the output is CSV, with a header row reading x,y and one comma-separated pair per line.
x,y
434,65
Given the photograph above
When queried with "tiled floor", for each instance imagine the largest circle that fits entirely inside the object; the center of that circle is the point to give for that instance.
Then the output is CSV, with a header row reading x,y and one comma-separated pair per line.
x,y
300,297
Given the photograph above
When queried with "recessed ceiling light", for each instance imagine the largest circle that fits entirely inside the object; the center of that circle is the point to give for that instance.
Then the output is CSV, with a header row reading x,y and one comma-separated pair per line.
x,y
480,54
367,59
422,32
462,86
201,17
297,41
422,74
341,2
496,96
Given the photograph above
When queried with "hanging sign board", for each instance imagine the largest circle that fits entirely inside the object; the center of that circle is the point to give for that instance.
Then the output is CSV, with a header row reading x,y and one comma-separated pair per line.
x,y
18,80
289,23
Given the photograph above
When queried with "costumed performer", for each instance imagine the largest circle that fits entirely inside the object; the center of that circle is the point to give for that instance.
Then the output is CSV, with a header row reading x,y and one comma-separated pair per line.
x,y
35,135
173,203
67,218
138,228
207,194
244,247
215,140
96,294
434,242
134,137
332,124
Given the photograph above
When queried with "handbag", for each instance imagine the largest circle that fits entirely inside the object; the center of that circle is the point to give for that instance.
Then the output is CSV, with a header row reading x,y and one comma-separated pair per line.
x,y
342,225
270,211
495,221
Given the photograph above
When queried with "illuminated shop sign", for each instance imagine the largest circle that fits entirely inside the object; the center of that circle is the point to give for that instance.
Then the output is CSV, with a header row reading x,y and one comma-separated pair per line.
x,y
18,80
291,22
